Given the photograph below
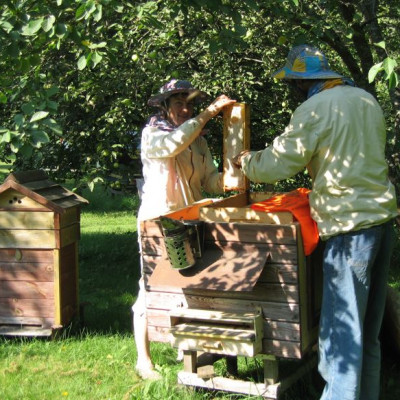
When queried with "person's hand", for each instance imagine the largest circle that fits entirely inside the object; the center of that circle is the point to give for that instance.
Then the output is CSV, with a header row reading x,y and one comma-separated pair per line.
x,y
237,160
218,104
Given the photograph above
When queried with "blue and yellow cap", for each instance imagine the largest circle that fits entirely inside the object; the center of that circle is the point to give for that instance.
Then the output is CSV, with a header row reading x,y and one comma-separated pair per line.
x,y
306,62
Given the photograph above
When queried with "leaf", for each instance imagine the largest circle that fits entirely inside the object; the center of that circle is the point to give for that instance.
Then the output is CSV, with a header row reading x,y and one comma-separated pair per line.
x,y
381,45
3,98
11,158
34,59
393,81
82,63
98,45
6,26
52,124
389,65
96,58
27,108
97,15
373,71
32,27
80,12
38,137
48,23
6,137
39,115
26,150
52,91
61,30
282,40
19,120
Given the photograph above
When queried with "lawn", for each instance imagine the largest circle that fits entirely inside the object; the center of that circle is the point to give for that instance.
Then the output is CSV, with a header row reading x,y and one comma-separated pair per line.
x,y
95,360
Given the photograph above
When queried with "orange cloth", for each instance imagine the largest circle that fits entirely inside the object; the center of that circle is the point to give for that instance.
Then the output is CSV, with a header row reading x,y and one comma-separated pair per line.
x,y
297,203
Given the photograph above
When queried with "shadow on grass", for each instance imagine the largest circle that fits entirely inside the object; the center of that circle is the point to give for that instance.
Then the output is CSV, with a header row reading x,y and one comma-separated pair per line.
x,y
108,281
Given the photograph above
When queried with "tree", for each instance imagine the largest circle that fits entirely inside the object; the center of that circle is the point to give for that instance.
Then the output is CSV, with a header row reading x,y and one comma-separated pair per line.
x,y
76,74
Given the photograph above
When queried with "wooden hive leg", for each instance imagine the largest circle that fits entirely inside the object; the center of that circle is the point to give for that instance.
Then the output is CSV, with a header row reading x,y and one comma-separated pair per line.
x,y
190,361
232,365
271,370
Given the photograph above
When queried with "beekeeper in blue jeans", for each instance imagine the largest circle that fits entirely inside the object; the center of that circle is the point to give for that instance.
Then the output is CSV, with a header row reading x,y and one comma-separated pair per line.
x,y
338,133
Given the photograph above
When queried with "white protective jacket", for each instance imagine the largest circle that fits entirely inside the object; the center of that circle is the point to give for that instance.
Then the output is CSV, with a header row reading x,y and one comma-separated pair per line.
x,y
177,165
339,135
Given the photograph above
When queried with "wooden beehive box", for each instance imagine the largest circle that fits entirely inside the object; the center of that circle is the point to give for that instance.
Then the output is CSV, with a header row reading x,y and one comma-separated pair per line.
x,y
39,234
253,263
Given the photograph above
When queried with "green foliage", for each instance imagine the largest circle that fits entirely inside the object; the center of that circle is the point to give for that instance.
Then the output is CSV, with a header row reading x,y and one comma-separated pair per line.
x,y
77,74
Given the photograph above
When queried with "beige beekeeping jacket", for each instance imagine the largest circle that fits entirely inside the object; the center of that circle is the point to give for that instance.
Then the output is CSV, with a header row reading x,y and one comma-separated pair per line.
x,y
177,165
339,135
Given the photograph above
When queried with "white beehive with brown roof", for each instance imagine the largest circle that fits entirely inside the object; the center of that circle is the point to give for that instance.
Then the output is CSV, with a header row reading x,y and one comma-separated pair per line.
x,y
39,234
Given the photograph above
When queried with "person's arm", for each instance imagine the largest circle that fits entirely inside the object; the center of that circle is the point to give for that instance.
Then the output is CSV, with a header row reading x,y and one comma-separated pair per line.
x,y
289,153
157,143
212,179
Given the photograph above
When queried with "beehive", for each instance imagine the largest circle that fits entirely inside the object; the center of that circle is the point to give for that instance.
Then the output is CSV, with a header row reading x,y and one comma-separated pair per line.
x,y
39,235
252,261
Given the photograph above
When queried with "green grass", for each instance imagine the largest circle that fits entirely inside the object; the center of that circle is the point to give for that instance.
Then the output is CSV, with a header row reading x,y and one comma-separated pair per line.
x,y
96,361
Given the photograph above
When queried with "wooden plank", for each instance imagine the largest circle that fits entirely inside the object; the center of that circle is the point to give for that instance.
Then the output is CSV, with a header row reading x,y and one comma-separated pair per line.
x,y
272,272
26,255
282,253
271,310
26,290
63,204
25,331
69,304
57,287
191,212
41,184
71,216
277,330
234,268
279,348
236,137
231,318
38,321
283,273
68,235
243,232
204,331
26,311
27,176
28,239
244,214
237,200
229,385
26,220
55,193
17,271
17,200
215,345
150,262
280,293
250,233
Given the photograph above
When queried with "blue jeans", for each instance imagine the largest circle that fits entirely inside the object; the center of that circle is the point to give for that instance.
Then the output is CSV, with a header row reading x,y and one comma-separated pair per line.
x,y
356,266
